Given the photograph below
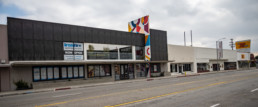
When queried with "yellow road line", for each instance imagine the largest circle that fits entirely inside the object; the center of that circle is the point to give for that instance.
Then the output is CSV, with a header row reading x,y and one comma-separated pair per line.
x,y
173,93
129,91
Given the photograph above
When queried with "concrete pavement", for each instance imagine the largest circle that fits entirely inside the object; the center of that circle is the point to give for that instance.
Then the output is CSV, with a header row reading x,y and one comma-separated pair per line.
x,y
146,93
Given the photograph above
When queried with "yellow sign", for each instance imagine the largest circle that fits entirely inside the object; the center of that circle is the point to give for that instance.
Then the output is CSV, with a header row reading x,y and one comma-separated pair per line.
x,y
243,46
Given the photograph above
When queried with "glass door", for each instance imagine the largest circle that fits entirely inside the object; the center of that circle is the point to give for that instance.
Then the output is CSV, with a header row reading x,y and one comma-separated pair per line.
x,y
124,72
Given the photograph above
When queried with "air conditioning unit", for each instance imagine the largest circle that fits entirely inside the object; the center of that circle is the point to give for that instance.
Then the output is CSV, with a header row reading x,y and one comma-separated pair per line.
x,y
3,61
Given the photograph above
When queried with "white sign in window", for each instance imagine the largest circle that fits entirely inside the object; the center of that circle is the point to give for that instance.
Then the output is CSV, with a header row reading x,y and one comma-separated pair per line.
x,y
68,46
81,71
101,69
56,72
64,72
36,74
43,72
78,46
70,72
75,72
68,57
155,68
49,73
78,57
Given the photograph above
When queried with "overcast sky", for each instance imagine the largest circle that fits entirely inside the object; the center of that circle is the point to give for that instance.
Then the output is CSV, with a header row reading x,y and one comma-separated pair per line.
x,y
209,20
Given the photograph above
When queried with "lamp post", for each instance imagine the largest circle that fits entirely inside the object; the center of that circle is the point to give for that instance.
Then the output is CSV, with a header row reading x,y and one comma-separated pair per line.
x,y
218,53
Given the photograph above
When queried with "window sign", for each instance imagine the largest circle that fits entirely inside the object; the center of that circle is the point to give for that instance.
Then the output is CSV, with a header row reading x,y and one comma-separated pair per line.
x,y
78,46
81,71
70,72
75,72
78,57
68,46
49,73
64,72
68,57
56,72
96,70
36,74
155,68
43,73
101,69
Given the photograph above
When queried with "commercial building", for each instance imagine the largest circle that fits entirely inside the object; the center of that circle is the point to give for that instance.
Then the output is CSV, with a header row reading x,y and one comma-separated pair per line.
x,y
45,54
199,59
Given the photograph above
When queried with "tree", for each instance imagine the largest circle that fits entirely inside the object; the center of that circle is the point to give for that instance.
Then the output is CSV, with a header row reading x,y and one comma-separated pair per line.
x,y
91,48
256,57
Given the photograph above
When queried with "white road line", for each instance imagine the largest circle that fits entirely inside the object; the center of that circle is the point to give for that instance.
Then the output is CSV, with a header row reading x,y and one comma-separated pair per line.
x,y
215,105
254,90
66,95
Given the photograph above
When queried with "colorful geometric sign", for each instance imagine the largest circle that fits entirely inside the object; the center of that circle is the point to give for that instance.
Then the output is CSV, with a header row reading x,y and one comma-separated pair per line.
x,y
243,46
141,25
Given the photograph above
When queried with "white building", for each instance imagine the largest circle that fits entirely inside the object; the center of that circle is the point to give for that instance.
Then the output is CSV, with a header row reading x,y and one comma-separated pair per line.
x,y
199,59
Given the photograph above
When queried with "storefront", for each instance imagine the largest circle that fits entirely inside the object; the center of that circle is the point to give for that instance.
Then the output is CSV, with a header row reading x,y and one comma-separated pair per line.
x,y
230,65
202,67
46,54
180,68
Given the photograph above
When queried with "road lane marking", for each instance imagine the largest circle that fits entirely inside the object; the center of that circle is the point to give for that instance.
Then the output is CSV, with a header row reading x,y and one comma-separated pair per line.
x,y
215,105
254,90
191,89
66,95
129,91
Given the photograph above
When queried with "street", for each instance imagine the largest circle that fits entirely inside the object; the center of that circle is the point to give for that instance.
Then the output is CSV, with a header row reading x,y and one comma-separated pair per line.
x,y
224,89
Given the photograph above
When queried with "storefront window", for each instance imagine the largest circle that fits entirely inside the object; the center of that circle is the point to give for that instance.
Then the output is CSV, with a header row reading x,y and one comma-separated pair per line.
x,y
202,67
155,68
187,67
141,70
124,71
50,73
230,65
99,71
139,51
125,53
107,52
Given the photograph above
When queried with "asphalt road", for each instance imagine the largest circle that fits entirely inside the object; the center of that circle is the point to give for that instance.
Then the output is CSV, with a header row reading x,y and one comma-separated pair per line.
x,y
227,89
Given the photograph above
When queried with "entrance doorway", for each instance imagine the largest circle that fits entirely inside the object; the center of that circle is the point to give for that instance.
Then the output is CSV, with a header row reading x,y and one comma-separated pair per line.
x,y
124,74
180,69
216,67
126,71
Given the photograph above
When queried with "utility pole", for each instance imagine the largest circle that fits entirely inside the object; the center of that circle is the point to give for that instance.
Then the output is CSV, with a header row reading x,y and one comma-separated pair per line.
x,y
184,38
191,39
231,44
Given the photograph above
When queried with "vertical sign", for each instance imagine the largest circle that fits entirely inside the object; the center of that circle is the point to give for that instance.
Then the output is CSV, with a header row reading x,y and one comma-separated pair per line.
x,y
141,25
220,50
73,51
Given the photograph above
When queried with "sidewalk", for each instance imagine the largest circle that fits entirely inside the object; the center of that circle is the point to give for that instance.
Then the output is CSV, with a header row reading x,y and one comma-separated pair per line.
x,y
173,75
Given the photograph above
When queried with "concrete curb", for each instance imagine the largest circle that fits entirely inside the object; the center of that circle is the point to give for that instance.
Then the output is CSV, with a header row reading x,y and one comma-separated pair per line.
x,y
3,94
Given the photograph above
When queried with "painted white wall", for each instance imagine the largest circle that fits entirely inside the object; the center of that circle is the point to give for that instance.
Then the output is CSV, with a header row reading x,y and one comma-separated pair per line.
x,y
246,56
194,55
180,53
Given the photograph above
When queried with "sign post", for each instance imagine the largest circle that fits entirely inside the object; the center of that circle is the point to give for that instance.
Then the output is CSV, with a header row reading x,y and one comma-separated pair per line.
x,y
141,25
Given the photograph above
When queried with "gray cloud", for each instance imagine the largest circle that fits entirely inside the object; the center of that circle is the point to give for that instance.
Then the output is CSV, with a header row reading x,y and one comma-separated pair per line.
x,y
209,19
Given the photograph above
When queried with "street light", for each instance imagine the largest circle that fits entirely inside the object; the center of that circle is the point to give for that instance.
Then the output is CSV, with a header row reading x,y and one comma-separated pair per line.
x,y
218,53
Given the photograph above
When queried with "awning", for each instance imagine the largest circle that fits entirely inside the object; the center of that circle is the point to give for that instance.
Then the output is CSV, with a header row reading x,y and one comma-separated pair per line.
x,y
63,62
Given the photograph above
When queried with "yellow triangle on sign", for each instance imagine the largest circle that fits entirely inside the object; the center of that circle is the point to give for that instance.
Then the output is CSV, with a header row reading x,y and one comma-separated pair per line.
x,y
129,28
